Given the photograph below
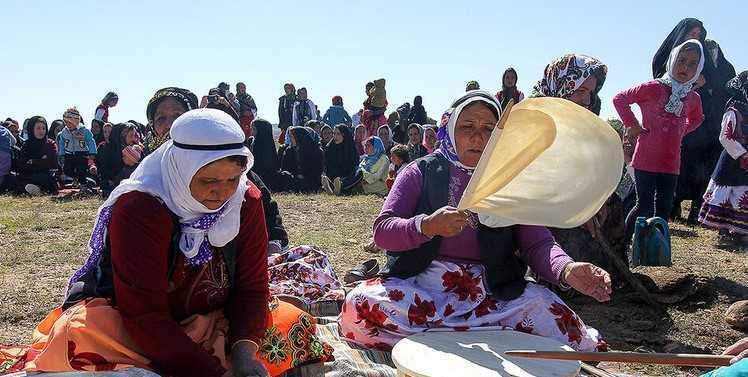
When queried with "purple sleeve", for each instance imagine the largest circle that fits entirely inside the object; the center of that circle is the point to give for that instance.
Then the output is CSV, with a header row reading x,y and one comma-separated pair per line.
x,y
541,252
395,228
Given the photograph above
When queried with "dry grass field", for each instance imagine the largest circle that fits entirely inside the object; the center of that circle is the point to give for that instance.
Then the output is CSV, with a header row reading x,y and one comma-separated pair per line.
x,y
42,242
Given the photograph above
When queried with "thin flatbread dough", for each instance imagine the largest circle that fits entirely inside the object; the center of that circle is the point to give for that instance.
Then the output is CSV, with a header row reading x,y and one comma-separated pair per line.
x,y
554,163
478,353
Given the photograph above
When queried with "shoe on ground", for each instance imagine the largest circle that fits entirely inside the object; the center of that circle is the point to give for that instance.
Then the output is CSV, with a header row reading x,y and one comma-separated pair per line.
x,y
33,190
337,186
327,185
364,271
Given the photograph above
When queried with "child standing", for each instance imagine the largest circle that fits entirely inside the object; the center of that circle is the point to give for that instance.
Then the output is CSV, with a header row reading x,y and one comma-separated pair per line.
x,y
726,199
76,148
336,114
670,110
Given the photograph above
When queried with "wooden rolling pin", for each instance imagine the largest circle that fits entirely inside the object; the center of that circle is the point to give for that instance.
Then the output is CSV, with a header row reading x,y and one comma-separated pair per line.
x,y
695,360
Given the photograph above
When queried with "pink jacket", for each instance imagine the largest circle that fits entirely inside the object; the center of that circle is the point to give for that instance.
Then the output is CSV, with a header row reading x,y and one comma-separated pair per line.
x,y
658,150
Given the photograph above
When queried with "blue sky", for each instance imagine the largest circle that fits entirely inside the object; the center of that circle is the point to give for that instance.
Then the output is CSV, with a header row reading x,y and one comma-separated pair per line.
x,y
61,53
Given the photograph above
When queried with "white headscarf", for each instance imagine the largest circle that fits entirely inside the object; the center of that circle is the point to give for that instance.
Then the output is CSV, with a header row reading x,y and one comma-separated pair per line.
x,y
445,133
680,90
167,172
198,137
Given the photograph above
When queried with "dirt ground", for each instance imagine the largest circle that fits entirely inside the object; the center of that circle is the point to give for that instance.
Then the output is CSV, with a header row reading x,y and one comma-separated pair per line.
x,y
43,242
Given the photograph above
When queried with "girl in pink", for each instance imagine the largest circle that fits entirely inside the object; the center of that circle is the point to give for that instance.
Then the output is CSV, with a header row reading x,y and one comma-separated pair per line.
x,y
670,110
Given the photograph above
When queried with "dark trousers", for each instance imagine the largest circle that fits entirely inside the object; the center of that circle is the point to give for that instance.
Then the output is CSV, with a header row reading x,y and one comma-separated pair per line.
x,y
76,166
44,179
654,197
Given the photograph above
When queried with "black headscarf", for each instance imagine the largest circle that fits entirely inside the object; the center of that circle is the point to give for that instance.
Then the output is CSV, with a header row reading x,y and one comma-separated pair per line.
x,y
737,89
57,126
341,159
266,163
509,93
33,147
308,155
675,38
418,112
183,96
110,156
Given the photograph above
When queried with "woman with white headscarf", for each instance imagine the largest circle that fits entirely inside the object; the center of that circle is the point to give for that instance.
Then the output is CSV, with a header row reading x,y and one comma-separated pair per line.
x,y
177,278
447,270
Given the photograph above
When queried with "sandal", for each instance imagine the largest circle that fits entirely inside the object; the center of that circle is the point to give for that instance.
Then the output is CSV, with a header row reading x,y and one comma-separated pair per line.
x,y
364,271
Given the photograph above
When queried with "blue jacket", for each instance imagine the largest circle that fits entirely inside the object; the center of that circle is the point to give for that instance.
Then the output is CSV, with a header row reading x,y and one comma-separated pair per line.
x,y
6,143
336,115
69,142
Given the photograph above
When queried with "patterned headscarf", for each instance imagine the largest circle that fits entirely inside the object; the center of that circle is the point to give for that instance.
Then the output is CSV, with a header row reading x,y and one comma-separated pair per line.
x,y
445,135
564,75
737,89
183,96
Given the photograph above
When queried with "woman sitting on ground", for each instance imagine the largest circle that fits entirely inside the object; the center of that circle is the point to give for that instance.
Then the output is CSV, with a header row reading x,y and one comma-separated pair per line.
x,y
341,159
374,167
385,134
446,270
325,136
302,161
55,128
38,159
429,139
579,79
106,132
359,136
191,291
416,149
267,165
118,158
165,106
371,174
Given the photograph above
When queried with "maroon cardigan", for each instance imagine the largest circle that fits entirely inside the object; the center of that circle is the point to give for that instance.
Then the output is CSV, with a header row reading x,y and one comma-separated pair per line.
x,y
140,234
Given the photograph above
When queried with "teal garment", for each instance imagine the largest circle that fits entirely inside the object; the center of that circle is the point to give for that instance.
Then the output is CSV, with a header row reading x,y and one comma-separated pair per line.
x,y
739,369
370,159
336,115
69,142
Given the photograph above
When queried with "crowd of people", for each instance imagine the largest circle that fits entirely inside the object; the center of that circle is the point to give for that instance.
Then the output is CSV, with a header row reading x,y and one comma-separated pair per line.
x,y
205,172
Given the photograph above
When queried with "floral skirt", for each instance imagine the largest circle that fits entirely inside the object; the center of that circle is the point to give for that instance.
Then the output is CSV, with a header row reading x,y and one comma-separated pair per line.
x,y
725,207
381,311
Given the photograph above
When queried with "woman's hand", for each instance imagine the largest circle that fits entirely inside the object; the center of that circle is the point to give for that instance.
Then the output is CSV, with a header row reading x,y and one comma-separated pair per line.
x,y
251,368
244,362
634,131
739,350
446,222
588,279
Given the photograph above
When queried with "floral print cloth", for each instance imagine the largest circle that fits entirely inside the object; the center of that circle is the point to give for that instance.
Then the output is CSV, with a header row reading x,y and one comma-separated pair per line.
x,y
381,311
304,272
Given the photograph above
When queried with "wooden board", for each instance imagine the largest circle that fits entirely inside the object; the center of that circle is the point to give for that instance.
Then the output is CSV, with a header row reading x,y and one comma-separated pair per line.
x,y
478,354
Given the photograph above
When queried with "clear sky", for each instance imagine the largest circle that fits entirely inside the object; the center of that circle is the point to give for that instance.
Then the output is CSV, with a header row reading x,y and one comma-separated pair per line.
x,y
55,54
